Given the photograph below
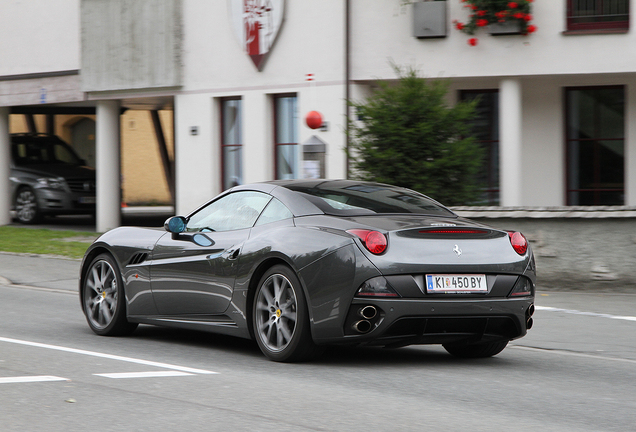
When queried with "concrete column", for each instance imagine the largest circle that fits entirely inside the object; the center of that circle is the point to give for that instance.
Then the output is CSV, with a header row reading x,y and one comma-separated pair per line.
x,y
107,156
630,146
5,155
510,135
197,151
258,137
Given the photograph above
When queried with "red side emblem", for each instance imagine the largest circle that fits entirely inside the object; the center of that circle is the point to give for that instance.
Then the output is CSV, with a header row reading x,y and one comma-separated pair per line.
x,y
256,24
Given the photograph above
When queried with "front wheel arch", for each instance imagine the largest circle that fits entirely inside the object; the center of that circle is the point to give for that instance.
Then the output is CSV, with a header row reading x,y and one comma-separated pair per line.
x,y
37,213
107,289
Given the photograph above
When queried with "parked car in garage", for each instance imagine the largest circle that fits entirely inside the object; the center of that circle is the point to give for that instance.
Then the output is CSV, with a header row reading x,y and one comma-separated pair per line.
x,y
48,178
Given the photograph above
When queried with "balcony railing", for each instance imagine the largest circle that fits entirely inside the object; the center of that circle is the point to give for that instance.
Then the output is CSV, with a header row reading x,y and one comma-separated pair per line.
x,y
598,15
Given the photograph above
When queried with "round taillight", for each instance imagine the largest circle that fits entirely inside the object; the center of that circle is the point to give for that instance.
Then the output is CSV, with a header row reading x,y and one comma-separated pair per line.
x,y
518,242
374,241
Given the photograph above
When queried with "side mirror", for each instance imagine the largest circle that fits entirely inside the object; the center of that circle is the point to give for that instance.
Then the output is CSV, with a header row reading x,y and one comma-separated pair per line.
x,y
175,224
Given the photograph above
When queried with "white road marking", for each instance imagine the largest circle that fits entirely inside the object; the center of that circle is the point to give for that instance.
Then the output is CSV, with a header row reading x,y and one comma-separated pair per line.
x,y
155,374
30,379
572,354
107,356
594,314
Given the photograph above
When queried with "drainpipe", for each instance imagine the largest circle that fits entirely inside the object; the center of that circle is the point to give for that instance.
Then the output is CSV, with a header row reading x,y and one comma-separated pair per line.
x,y
347,77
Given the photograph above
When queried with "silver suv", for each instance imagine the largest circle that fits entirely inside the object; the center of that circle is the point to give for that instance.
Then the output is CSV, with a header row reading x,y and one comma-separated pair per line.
x,y
48,177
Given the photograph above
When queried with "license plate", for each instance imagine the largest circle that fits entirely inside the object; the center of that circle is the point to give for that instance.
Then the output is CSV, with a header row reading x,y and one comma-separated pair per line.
x,y
450,283
86,200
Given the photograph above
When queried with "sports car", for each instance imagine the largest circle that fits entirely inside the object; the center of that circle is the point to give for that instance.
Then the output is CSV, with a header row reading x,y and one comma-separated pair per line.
x,y
301,264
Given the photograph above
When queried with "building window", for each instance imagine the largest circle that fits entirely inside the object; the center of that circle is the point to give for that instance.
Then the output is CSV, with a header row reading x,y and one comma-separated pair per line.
x,y
595,140
231,142
486,130
598,15
286,136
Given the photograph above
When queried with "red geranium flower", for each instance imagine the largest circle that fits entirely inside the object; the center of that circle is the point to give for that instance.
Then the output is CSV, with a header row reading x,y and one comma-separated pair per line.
x,y
485,12
472,41
531,28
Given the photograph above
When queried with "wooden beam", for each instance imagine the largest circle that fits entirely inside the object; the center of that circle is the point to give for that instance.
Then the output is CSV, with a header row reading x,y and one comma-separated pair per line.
x,y
168,165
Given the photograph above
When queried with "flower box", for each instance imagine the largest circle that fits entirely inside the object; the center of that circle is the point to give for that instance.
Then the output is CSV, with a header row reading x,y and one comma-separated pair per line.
x,y
498,17
429,19
504,28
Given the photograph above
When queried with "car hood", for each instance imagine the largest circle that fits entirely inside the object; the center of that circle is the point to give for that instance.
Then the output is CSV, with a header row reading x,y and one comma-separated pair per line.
x,y
59,170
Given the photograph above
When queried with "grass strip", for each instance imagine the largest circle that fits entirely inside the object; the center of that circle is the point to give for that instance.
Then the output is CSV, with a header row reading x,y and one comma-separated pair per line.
x,y
66,243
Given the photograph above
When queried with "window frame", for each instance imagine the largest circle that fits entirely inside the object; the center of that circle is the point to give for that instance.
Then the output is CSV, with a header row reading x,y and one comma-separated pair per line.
x,y
595,26
492,192
223,146
568,139
277,144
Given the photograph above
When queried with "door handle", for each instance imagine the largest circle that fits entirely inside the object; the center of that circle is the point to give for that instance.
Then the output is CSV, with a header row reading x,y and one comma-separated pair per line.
x,y
232,254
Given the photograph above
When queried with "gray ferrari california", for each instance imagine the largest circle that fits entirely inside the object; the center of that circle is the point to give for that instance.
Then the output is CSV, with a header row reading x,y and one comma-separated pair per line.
x,y
301,264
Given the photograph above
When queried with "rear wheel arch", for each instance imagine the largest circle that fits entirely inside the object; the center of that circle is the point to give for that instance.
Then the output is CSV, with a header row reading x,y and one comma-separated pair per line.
x,y
261,269
281,322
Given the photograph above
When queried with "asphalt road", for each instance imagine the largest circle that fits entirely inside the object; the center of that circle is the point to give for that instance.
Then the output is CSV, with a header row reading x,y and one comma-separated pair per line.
x,y
575,371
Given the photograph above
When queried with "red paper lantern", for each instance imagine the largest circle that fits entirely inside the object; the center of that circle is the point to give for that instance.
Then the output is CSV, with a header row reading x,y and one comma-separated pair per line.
x,y
313,119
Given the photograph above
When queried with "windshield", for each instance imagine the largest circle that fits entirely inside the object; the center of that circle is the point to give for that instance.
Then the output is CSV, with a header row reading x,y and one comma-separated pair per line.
x,y
348,198
34,153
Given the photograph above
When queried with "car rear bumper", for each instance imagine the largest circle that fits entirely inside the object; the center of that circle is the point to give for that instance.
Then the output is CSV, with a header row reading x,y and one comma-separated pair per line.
x,y
400,322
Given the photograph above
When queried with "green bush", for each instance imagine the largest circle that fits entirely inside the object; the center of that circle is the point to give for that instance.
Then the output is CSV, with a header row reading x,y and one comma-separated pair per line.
x,y
406,135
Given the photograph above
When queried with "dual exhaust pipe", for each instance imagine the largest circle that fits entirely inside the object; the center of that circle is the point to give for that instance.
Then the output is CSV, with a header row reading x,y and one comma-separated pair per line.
x,y
367,313
529,320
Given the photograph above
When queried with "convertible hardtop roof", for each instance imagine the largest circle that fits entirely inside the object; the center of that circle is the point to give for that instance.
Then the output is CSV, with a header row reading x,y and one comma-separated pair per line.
x,y
354,197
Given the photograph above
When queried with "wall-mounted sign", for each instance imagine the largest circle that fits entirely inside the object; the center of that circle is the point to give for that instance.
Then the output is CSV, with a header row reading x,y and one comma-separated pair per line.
x,y
256,24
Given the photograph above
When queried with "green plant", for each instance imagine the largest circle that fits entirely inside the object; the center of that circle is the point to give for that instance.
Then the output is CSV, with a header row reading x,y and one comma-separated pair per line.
x,y
407,135
70,244
485,12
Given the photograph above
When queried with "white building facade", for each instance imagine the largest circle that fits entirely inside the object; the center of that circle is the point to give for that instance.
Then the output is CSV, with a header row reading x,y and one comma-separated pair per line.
x,y
558,106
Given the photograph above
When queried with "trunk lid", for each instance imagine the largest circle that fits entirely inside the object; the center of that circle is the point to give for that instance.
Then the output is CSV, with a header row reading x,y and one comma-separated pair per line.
x,y
420,245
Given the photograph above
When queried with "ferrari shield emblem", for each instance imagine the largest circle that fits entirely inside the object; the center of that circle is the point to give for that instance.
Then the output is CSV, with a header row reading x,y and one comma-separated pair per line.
x,y
256,24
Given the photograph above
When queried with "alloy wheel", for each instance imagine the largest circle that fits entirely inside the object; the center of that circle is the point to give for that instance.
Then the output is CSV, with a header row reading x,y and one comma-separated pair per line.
x,y
26,206
276,316
100,294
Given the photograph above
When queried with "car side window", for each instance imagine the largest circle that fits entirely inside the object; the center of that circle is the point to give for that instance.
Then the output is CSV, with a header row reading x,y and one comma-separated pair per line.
x,y
235,211
274,212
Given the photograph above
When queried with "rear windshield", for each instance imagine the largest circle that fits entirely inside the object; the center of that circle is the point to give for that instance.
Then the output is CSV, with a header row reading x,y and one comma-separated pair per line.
x,y
353,199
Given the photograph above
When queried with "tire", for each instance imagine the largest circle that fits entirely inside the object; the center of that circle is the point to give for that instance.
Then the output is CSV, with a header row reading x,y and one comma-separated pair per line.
x,y
280,317
104,299
481,350
26,206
